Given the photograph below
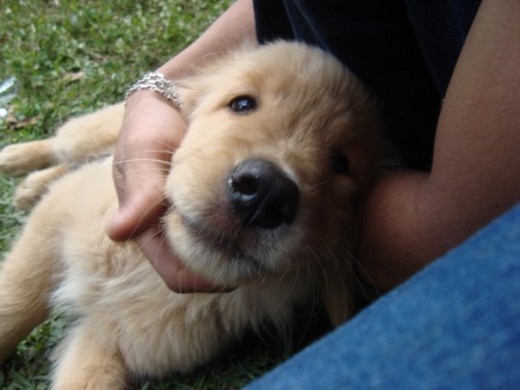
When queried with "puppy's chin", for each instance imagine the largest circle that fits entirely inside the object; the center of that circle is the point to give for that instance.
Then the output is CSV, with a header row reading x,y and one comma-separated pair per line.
x,y
228,256
225,252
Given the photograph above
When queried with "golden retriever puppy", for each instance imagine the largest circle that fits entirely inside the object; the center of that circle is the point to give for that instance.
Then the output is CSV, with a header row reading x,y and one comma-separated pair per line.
x,y
282,142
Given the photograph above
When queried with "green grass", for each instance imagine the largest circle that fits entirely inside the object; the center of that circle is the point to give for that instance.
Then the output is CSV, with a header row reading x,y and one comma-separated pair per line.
x,y
71,57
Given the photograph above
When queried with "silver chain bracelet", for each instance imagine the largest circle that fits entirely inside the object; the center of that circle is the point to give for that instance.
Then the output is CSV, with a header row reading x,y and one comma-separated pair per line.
x,y
156,82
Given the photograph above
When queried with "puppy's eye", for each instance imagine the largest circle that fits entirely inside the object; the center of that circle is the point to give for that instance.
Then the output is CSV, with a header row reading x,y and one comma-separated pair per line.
x,y
338,162
242,104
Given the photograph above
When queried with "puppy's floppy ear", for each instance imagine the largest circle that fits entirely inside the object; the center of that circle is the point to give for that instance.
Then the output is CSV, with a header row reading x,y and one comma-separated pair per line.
x,y
364,150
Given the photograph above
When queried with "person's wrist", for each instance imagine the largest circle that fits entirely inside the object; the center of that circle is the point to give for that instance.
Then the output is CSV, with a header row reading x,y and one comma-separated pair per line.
x,y
149,119
147,103
144,97
157,83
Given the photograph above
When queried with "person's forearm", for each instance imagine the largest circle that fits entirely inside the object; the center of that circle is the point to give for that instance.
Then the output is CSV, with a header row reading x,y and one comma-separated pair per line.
x,y
412,218
235,26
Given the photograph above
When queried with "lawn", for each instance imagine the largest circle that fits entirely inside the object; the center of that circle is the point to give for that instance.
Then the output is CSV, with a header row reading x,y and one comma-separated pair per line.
x,y
68,58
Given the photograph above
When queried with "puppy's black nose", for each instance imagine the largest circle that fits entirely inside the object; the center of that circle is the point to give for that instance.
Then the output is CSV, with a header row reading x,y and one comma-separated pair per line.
x,y
262,195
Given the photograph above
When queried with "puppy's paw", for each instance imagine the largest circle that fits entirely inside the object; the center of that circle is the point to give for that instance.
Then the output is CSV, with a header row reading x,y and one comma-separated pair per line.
x,y
19,159
29,191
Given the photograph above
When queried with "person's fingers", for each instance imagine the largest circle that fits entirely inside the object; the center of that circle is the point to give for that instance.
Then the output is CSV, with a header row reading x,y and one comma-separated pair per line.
x,y
151,131
140,189
141,201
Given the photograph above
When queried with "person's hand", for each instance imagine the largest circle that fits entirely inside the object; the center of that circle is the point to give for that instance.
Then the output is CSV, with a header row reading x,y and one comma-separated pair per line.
x,y
151,131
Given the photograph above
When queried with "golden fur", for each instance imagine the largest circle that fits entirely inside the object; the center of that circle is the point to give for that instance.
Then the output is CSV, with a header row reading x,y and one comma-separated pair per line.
x,y
308,108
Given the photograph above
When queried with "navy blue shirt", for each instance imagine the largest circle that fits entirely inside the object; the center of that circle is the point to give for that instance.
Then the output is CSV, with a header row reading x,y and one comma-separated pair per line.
x,y
403,50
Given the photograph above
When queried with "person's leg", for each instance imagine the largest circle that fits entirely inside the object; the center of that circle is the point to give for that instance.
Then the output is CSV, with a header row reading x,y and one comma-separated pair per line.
x,y
456,324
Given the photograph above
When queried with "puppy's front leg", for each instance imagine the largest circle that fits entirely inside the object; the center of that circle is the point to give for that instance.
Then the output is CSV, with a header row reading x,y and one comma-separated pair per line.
x,y
88,361
29,275
19,159
26,281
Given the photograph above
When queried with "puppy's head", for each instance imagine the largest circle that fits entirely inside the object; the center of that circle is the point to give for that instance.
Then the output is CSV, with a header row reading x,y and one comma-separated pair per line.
x,y
281,143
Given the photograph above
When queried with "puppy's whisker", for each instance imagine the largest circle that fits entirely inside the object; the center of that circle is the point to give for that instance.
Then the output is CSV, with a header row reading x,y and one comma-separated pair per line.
x,y
144,159
316,187
363,279
160,200
139,169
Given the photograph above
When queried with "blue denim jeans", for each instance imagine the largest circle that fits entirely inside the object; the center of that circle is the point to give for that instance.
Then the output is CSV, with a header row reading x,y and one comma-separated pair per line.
x,y
456,324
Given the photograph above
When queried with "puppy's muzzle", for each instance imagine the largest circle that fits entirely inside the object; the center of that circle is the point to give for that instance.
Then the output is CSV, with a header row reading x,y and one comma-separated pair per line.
x,y
262,195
